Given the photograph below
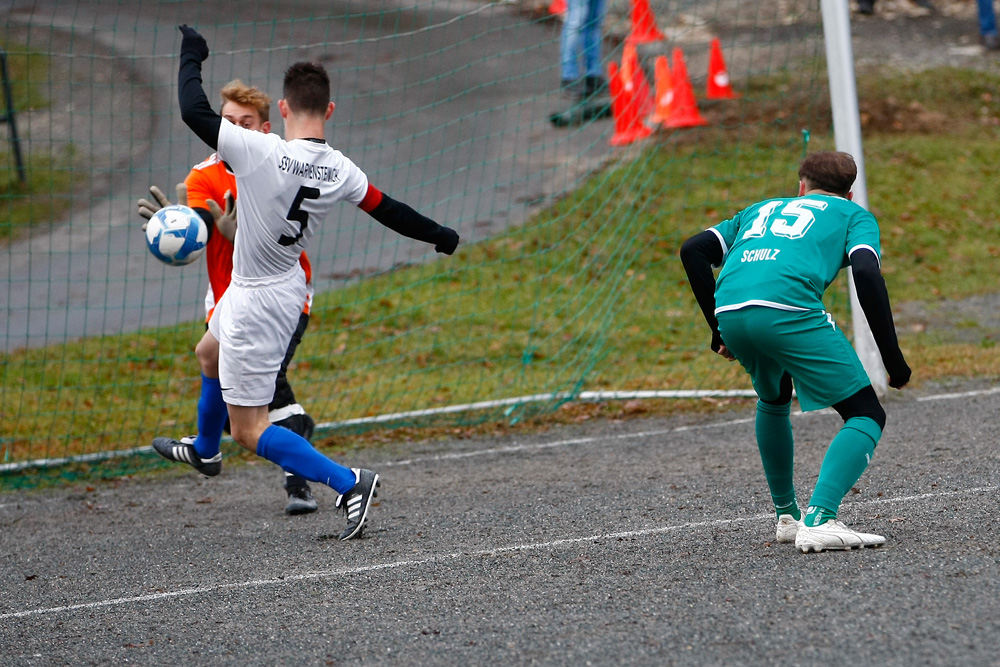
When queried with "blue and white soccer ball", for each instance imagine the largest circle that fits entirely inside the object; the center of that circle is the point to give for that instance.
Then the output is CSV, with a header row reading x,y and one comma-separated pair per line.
x,y
176,235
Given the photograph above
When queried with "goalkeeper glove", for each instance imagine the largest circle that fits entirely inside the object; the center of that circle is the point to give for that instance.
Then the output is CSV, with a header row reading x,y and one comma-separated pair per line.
x,y
148,208
225,221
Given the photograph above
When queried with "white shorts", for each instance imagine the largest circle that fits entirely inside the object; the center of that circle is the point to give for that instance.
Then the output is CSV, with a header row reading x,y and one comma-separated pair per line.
x,y
253,322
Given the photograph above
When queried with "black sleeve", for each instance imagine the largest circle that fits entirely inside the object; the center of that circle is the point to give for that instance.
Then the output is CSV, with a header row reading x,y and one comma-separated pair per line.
x,y
206,215
196,111
874,300
698,255
402,219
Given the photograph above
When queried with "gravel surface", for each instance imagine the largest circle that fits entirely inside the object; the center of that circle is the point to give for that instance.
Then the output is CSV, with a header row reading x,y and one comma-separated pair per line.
x,y
646,541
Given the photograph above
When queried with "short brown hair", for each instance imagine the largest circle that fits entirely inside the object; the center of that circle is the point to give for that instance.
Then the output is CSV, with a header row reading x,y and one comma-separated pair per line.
x,y
238,92
307,88
832,171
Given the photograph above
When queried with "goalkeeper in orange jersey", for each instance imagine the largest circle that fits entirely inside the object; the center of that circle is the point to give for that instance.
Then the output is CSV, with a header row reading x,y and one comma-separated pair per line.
x,y
208,187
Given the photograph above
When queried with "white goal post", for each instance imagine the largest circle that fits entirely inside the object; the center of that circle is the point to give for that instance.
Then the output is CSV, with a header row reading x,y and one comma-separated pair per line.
x,y
847,135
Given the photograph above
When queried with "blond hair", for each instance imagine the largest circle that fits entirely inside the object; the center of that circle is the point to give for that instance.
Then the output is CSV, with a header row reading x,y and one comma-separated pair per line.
x,y
238,92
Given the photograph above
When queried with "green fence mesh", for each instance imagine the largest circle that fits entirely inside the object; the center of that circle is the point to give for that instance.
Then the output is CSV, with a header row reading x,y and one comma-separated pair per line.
x,y
566,286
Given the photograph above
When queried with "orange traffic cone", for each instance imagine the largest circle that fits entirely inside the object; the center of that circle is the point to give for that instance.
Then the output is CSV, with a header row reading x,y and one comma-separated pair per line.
x,y
664,93
719,87
628,126
644,28
557,7
632,71
685,110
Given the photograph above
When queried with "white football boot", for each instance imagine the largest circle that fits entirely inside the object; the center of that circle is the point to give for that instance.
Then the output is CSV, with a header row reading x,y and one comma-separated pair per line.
x,y
787,529
833,535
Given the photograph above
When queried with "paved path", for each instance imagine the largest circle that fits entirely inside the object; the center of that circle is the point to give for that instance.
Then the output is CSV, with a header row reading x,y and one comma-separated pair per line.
x,y
446,107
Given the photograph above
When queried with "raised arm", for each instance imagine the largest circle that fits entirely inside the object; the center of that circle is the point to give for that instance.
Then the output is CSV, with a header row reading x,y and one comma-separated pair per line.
x,y
196,111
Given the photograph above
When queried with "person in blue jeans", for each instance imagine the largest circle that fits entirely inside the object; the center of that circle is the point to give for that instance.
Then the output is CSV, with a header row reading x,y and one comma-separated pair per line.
x,y
868,6
581,40
988,25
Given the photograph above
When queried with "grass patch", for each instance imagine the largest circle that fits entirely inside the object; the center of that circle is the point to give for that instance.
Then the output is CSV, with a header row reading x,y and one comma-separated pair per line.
x,y
44,194
589,294
44,197
27,70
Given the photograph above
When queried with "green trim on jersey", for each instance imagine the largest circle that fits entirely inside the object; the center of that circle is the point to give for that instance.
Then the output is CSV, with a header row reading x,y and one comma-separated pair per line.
x,y
784,253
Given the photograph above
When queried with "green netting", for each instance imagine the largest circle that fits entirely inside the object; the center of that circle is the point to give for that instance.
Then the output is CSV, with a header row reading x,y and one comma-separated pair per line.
x,y
566,286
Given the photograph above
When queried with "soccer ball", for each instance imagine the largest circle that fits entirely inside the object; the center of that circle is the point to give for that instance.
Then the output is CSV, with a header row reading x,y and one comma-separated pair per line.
x,y
176,235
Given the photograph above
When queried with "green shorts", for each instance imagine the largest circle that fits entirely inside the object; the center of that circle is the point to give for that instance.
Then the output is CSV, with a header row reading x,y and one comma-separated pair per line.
x,y
807,345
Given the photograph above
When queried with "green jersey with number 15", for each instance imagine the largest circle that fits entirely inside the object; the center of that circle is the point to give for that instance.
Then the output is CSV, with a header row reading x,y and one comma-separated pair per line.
x,y
784,253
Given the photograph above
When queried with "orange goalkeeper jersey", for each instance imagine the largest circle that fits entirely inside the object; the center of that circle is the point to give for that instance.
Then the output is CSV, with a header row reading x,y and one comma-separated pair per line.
x,y
211,179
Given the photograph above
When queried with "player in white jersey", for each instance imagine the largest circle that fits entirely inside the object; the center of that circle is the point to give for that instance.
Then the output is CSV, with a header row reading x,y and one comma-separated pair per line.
x,y
287,187
212,181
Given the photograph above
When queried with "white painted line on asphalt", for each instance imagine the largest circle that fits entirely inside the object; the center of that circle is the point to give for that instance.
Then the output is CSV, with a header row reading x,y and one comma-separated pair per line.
x,y
584,396
482,553
622,436
535,446
962,394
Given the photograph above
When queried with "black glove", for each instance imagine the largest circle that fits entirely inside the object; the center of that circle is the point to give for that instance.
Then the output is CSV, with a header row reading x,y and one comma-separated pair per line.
x,y
193,43
717,343
448,242
899,377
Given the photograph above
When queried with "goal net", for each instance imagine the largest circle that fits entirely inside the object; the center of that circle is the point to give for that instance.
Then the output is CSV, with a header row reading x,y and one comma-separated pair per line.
x,y
566,286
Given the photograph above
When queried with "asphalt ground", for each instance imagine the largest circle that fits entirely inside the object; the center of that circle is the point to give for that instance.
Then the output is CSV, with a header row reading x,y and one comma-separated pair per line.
x,y
646,541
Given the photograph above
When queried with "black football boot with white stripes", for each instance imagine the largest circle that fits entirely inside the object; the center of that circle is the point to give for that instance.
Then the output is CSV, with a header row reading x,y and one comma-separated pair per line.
x,y
358,501
183,451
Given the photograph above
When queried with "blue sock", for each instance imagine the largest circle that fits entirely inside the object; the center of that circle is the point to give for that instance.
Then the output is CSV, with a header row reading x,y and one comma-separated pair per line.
x,y
212,412
294,453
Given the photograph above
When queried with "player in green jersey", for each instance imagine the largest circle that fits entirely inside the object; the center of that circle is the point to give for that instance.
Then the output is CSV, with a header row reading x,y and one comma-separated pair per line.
x,y
766,310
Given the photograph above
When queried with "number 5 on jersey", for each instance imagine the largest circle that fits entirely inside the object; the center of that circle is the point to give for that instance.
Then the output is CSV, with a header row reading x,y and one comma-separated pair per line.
x,y
296,214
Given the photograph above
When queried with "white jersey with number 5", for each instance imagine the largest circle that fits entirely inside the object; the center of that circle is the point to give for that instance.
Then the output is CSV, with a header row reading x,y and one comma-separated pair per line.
x,y
286,189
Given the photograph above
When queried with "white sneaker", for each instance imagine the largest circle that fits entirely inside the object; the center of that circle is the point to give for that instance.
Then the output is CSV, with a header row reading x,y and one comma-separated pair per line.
x,y
833,535
787,528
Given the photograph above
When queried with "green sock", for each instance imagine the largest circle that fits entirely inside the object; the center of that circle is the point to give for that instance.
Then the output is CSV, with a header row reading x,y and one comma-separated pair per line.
x,y
777,453
816,516
791,508
844,463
